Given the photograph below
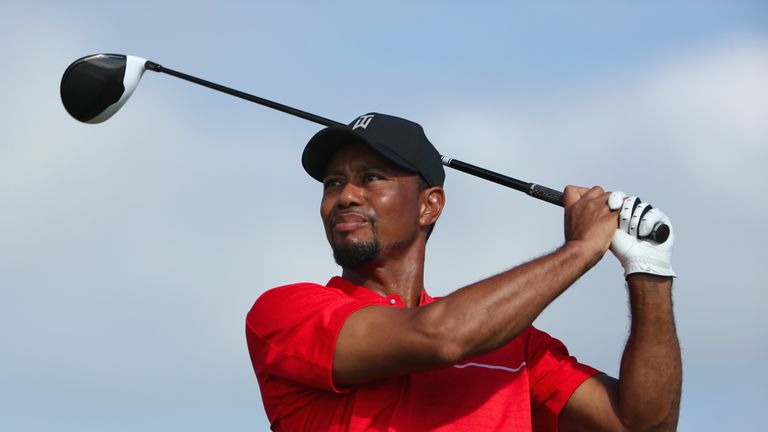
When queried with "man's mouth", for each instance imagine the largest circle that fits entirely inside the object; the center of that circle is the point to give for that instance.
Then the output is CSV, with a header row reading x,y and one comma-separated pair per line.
x,y
347,222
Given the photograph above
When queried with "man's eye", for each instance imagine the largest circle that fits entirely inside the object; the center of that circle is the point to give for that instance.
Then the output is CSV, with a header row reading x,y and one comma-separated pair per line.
x,y
329,183
372,177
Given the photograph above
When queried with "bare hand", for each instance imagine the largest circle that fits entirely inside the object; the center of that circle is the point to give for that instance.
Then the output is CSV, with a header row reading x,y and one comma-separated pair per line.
x,y
588,219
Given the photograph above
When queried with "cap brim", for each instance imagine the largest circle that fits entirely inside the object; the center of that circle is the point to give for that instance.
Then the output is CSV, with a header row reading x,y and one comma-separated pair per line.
x,y
322,146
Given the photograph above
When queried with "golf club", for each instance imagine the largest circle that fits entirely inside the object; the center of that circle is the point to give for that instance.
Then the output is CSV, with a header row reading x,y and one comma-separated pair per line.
x,y
95,87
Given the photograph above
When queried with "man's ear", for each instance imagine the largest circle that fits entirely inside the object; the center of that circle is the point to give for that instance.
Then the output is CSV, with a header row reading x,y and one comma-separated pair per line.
x,y
432,203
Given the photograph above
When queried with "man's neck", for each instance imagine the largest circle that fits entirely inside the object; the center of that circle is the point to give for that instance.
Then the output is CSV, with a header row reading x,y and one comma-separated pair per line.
x,y
402,275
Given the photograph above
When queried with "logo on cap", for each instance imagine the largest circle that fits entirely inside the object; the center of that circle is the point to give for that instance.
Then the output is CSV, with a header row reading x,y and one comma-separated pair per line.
x,y
362,121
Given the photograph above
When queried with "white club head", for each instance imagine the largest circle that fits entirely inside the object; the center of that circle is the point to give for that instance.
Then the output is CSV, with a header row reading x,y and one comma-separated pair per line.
x,y
94,87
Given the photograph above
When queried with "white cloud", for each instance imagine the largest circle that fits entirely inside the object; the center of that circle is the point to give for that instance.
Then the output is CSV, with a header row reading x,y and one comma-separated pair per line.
x,y
711,108
701,114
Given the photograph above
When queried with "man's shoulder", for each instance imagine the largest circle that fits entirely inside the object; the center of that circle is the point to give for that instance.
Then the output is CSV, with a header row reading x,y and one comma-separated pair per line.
x,y
299,292
291,289
283,303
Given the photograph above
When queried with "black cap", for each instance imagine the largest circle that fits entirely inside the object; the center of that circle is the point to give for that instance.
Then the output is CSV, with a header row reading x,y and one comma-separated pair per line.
x,y
399,140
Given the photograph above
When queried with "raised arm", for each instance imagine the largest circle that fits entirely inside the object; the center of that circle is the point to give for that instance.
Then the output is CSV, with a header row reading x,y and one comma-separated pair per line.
x,y
377,342
647,394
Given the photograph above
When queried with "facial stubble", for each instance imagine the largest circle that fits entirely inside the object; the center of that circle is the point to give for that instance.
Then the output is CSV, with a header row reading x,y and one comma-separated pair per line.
x,y
356,254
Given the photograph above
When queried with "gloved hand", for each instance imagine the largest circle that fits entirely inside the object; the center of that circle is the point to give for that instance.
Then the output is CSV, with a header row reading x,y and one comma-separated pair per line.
x,y
636,220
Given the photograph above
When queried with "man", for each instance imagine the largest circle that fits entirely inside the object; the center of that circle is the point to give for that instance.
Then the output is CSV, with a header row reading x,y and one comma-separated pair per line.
x,y
372,350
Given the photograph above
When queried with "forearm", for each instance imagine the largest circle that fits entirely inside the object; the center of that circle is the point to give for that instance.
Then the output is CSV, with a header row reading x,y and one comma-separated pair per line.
x,y
490,313
651,372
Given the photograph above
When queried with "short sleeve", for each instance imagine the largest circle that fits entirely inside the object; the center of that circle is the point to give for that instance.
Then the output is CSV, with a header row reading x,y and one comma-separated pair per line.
x,y
292,331
554,376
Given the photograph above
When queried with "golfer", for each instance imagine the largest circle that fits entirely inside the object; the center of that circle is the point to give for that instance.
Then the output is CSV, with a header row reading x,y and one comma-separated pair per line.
x,y
371,350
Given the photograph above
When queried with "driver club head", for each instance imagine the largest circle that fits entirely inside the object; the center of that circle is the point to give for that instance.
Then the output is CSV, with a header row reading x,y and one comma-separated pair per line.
x,y
94,87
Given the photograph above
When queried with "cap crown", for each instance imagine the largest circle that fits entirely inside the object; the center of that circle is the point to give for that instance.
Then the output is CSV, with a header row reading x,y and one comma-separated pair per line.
x,y
399,140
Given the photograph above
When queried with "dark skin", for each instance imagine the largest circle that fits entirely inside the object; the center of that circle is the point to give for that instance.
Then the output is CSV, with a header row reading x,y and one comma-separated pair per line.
x,y
366,197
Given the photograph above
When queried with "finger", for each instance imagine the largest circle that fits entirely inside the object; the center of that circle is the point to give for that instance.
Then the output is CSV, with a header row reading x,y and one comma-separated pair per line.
x,y
641,209
594,192
571,194
649,221
626,212
616,199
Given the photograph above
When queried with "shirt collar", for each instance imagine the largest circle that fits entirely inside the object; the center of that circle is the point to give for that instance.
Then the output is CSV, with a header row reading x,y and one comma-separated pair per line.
x,y
356,291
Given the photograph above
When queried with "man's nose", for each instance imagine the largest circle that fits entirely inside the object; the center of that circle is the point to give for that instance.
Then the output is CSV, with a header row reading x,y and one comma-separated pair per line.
x,y
351,195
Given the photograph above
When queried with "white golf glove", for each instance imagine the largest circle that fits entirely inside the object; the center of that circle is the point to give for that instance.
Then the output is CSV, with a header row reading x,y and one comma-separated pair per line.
x,y
637,254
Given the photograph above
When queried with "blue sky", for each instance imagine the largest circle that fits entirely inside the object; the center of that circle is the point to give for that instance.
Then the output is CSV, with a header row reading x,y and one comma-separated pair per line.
x,y
130,251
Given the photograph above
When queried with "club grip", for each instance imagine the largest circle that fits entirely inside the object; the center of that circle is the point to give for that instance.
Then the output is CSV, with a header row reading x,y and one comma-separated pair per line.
x,y
660,232
546,194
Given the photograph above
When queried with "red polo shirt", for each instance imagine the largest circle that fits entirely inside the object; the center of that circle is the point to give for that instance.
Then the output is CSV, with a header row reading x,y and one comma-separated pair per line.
x,y
292,331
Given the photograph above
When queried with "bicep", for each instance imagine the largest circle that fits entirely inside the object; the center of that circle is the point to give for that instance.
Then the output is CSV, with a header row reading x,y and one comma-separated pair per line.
x,y
592,407
378,342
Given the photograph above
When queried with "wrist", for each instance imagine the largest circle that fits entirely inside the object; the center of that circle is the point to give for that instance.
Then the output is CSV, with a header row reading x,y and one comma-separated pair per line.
x,y
582,252
650,295
649,281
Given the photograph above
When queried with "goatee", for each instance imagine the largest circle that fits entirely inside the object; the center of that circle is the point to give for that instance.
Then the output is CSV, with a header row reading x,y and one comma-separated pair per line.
x,y
355,255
